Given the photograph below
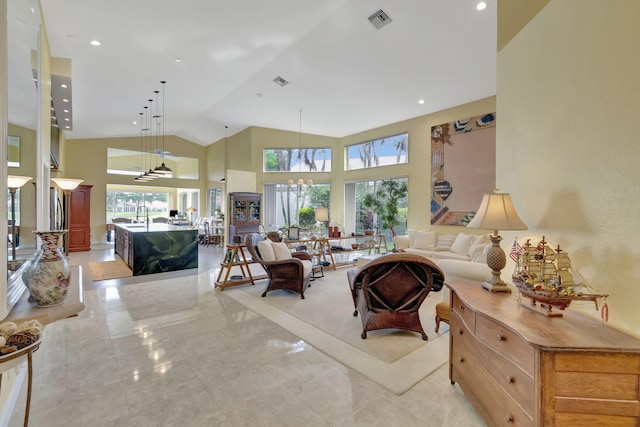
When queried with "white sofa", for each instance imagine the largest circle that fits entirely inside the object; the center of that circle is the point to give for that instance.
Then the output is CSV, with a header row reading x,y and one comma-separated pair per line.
x,y
462,247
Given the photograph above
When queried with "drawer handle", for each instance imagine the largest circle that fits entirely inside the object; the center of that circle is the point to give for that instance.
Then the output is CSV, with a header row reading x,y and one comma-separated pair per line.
x,y
461,359
501,337
509,418
460,331
510,379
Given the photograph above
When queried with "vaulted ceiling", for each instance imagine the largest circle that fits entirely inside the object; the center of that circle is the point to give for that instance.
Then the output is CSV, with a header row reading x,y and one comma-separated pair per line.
x,y
343,73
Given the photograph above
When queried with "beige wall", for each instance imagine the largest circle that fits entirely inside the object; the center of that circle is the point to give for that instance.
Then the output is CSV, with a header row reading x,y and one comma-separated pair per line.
x,y
568,104
87,159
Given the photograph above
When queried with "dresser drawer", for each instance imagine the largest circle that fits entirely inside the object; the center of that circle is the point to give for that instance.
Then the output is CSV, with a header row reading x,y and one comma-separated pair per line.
x,y
513,380
492,401
506,343
467,315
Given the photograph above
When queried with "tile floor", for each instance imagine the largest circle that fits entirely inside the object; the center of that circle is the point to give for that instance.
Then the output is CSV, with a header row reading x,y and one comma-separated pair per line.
x,y
170,350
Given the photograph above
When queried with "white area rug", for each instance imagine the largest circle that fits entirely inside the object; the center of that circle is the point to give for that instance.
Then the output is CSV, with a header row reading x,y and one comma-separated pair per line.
x,y
395,359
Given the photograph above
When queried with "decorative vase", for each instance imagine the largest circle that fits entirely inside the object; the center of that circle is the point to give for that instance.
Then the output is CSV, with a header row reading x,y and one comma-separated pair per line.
x,y
47,278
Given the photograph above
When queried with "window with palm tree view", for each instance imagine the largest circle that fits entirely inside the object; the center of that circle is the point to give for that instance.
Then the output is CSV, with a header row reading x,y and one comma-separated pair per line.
x,y
289,205
391,150
297,160
377,205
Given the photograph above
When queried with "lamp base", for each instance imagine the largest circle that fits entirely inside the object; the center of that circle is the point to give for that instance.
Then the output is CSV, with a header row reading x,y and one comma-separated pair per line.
x,y
496,287
496,261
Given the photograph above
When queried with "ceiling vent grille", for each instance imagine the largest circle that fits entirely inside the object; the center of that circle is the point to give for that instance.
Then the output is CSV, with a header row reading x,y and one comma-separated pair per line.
x,y
379,19
280,81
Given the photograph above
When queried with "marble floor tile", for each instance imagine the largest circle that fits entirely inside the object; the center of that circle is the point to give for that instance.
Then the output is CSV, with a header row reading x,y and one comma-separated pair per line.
x,y
172,350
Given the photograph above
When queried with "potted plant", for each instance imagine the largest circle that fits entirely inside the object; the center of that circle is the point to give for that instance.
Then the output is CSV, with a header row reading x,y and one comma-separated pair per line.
x,y
384,202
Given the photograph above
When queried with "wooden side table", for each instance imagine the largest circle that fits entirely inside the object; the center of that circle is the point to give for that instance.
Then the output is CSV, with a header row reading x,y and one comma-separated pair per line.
x,y
14,359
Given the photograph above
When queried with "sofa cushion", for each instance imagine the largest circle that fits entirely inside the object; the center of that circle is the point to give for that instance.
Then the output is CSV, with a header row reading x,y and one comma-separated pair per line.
x,y
433,255
478,245
462,243
281,250
400,242
424,240
444,242
412,236
266,250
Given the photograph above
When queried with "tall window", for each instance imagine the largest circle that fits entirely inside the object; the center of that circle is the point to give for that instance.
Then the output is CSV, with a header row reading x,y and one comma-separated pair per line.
x,y
285,205
358,218
298,160
391,150
215,200
188,198
136,204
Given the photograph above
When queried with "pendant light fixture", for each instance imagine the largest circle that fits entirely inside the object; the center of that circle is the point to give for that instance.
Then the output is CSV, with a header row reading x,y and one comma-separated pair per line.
x,y
151,173
141,177
163,170
146,175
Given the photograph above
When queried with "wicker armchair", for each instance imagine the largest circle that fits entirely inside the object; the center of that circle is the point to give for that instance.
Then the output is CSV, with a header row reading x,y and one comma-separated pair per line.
x,y
292,274
389,290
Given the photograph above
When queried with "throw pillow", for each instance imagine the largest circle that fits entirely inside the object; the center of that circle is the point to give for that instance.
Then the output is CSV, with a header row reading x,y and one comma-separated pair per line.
x,y
478,245
281,250
462,243
444,242
425,240
412,236
266,250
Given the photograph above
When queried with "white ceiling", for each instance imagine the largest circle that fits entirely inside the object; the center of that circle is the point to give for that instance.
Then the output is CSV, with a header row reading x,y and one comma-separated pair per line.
x,y
345,75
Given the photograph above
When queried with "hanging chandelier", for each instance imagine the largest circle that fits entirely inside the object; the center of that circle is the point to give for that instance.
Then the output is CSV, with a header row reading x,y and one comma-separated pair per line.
x,y
300,181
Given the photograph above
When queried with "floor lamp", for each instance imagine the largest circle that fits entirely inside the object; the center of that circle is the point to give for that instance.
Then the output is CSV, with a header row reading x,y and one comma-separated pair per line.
x,y
322,216
13,183
67,185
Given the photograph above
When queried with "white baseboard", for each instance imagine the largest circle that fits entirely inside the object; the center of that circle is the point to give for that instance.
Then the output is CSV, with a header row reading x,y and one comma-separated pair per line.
x,y
14,395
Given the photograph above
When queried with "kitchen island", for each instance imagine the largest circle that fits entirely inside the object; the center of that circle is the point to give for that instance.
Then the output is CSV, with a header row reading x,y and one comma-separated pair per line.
x,y
157,248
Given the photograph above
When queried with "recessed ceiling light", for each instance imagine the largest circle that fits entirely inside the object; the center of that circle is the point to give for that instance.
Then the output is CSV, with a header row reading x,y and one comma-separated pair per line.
x,y
95,43
66,119
67,127
65,100
421,101
178,60
64,86
481,5
135,123
66,111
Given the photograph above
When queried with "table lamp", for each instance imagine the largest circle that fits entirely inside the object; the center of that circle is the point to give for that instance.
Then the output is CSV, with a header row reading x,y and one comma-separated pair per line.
x,y
67,185
496,212
13,183
191,210
322,216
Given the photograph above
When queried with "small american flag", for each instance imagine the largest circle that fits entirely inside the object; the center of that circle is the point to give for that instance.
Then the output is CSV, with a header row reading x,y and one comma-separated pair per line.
x,y
516,250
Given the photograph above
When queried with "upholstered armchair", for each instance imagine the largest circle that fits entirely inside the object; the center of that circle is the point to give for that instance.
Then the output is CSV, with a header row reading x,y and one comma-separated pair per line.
x,y
286,270
388,291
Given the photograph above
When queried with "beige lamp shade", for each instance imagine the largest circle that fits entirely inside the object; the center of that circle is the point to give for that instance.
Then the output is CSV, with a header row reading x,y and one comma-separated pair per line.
x,y
496,212
192,209
322,214
67,183
15,181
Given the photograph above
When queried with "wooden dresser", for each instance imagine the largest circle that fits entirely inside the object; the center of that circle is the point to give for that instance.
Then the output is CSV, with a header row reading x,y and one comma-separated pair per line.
x,y
520,368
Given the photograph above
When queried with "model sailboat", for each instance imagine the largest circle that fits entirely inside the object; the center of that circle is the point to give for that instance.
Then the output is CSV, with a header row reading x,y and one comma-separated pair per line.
x,y
544,276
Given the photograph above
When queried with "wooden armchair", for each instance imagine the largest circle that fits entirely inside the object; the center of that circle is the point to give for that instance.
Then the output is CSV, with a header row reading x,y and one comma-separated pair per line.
x,y
389,290
291,274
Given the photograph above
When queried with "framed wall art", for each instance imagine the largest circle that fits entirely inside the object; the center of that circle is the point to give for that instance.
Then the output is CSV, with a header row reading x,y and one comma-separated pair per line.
x,y
463,168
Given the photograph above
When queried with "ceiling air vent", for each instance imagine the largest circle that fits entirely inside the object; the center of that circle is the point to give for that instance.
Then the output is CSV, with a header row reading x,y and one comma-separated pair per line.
x,y
279,80
379,19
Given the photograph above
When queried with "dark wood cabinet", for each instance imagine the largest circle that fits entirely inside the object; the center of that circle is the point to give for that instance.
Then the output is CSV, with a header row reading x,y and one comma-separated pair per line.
x,y
245,213
80,219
